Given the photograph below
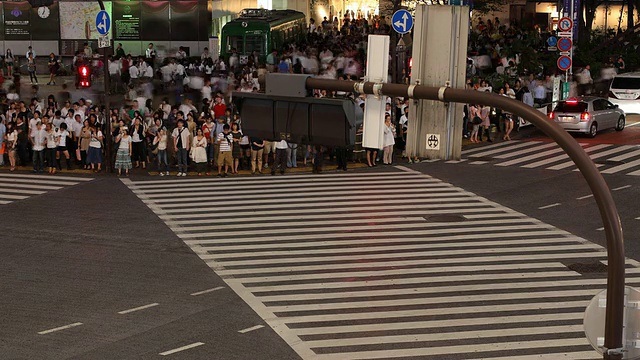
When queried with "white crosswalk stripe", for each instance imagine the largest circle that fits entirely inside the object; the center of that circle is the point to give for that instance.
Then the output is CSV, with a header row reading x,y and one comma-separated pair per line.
x,y
612,159
22,186
345,266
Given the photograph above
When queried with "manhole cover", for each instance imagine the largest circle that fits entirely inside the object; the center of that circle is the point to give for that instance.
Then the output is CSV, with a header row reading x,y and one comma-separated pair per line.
x,y
445,218
610,162
588,268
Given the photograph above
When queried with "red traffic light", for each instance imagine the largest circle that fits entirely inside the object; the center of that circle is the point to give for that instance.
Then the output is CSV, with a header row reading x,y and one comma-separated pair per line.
x,y
84,76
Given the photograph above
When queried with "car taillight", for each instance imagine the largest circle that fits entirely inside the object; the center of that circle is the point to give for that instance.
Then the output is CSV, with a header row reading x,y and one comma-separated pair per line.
x,y
612,95
585,116
551,115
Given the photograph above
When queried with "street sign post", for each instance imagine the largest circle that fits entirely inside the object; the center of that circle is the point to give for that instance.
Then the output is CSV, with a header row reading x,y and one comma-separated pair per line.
x,y
564,63
402,21
103,23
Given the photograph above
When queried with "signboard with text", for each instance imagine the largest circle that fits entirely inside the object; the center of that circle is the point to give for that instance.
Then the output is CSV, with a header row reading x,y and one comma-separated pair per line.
x,y
126,20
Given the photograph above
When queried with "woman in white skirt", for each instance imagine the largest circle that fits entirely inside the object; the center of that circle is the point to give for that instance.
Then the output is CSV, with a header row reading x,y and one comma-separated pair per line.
x,y
199,151
123,157
388,140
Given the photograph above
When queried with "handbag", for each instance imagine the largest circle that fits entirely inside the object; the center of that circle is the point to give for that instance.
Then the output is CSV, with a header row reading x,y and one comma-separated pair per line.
x,y
477,120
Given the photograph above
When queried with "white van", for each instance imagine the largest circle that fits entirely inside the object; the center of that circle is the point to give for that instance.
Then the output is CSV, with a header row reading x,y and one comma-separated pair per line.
x,y
625,92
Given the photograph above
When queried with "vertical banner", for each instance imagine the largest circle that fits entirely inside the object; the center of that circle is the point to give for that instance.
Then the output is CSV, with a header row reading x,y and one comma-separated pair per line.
x,y
576,18
45,22
184,20
566,7
155,20
126,20
17,20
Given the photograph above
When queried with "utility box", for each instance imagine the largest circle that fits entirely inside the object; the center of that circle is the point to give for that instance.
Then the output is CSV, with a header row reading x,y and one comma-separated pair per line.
x,y
300,120
439,58
292,85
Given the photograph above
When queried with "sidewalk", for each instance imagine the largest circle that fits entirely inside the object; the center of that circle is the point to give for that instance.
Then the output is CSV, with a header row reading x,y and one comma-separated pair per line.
x,y
330,167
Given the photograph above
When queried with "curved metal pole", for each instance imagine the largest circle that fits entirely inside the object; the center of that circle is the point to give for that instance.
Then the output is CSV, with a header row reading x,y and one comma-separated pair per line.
x,y
602,194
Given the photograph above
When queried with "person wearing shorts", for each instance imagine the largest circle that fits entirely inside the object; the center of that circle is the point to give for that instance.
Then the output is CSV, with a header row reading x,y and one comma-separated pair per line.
x,y
225,144
269,148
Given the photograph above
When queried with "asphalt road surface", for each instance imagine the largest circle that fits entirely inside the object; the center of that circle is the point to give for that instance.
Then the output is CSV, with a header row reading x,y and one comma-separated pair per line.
x,y
491,257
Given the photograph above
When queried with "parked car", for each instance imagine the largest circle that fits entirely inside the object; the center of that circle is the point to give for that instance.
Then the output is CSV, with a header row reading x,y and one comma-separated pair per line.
x,y
588,115
625,92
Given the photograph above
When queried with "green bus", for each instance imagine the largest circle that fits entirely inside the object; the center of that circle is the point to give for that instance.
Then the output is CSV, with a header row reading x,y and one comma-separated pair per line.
x,y
262,31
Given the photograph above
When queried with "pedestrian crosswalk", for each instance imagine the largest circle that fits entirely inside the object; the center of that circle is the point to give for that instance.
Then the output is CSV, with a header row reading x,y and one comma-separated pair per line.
x,y
388,265
14,187
609,158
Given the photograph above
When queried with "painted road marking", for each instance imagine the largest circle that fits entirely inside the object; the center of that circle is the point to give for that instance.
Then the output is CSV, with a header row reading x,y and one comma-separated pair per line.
x,y
584,197
549,206
182,348
338,268
59,328
137,308
243,331
600,229
207,291
622,187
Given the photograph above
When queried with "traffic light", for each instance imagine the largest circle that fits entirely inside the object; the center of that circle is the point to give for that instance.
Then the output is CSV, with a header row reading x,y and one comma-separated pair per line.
x,y
84,76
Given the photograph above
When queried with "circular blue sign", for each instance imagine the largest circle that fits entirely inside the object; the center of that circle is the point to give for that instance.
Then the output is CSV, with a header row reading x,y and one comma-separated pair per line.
x,y
564,44
103,23
402,21
552,41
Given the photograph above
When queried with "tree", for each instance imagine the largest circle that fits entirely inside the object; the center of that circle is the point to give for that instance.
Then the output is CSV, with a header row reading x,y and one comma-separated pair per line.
x,y
488,6
630,10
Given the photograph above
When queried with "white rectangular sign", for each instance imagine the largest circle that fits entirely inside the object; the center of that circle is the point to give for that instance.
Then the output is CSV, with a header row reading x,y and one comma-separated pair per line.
x,y
433,142
104,41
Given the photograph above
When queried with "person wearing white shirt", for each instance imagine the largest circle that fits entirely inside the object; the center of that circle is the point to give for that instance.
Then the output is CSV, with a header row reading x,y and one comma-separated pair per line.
x,y
181,145
205,54
62,135
539,94
33,122
388,140
30,50
150,54
114,73
181,54
134,73
37,137
148,72
281,157
65,110
206,90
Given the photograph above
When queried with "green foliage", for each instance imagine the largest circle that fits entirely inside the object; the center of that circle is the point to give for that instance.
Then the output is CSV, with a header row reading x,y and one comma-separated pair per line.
x,y
484,7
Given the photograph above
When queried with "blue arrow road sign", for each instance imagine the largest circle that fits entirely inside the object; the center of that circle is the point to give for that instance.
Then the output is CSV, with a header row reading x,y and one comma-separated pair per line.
x,y
552,41
564,44
564,63
103,23
402,21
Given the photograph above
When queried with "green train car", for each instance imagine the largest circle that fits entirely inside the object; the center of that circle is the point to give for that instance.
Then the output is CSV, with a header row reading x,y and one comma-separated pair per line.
x,y
262,31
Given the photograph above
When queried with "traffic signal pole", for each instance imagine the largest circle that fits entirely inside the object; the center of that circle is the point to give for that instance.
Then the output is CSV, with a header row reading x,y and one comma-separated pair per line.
x,y
107,116
614,321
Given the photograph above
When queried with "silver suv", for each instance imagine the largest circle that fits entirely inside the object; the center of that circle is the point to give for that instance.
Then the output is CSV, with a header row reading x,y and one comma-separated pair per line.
x,y
588,115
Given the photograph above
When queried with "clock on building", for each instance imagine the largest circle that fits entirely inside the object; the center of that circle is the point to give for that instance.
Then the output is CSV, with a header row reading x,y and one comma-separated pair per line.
x,y
44,12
